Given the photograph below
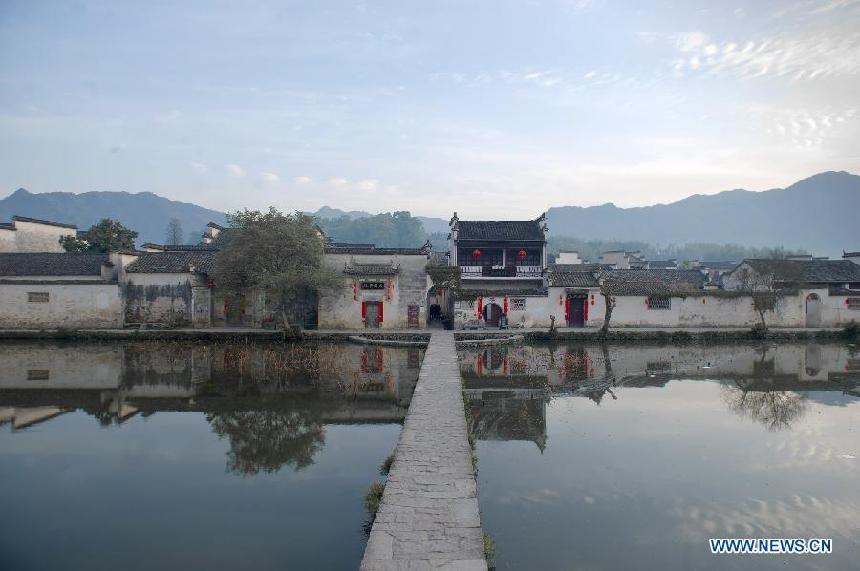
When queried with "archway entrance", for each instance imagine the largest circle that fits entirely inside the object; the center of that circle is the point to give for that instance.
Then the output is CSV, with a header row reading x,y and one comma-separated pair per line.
x,y
492,313
813,310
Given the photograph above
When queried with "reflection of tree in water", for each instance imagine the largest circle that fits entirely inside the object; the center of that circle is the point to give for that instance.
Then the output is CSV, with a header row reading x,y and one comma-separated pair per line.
x,y
266,440
776,410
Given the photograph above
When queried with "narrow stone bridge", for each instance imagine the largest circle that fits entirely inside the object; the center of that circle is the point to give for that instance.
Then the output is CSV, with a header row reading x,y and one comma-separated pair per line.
x,y
429,515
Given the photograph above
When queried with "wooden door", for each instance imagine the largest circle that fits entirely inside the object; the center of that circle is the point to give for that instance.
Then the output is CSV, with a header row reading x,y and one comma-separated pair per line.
x,y
577,312
372,314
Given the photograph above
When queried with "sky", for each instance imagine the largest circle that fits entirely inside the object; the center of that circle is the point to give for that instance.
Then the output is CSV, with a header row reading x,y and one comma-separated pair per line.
x,y
495,109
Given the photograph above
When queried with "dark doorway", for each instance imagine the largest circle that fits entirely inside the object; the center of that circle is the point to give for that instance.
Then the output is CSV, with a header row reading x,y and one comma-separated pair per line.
x,y
576,313
492,313
234,312
373,314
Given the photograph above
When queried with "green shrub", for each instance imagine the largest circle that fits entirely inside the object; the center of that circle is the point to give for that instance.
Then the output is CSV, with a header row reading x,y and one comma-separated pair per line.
x,y
374,498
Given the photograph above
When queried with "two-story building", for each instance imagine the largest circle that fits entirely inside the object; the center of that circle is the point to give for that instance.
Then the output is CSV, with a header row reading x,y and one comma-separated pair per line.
x,y
503,266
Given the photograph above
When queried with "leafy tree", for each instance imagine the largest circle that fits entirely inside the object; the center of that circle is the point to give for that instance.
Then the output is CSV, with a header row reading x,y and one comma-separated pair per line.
x,y
267,439
105,236
391,229
173,234
280,254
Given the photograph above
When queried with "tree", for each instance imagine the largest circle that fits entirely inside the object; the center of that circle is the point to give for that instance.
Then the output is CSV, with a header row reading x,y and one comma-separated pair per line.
x,y
173,235
280,254
391,229
105,236
266,439
767,284
608,289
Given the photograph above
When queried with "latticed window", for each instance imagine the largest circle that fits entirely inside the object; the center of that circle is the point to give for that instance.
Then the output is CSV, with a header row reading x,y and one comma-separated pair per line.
x,y
518,304
659,302
38,297
853,302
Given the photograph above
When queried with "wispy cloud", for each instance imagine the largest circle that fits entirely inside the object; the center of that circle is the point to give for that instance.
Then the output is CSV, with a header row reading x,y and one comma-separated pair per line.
x,y
338,181
199,167
303,180
234,170
267,178
808,57
367,184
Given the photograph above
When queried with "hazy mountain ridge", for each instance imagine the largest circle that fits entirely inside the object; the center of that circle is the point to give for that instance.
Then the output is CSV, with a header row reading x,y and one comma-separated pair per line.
x,y
145,212
820,213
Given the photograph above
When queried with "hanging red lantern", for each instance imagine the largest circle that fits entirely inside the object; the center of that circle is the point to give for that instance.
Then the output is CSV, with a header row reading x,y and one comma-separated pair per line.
x,y
476,253
522,254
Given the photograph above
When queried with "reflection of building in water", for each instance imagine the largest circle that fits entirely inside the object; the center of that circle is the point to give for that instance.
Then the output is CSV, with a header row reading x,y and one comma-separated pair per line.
x,y
762,382
508,415
562,367
116,381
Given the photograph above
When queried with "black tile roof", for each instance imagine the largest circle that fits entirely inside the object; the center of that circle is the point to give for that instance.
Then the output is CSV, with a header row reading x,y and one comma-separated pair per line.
x,y
52,264
653,282
363,249
719,265
808,271
504,230
172,262
48,222
370,270
182,247
572,279
662,264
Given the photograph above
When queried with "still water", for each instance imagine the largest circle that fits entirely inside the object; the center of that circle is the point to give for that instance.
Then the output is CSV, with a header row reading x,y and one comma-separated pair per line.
x,y
631,457
181,456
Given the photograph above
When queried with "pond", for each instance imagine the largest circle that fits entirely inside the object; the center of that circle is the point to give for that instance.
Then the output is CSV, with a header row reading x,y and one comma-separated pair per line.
x,y
626,457
178,456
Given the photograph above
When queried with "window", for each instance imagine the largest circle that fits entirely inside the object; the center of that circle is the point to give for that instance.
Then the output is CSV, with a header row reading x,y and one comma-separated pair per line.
x,y
853,302
518,304
38,297
659,302
38,374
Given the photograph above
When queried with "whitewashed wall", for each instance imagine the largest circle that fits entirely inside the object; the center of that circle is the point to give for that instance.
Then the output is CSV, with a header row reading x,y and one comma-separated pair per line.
x,y
33,237
74,306
338,309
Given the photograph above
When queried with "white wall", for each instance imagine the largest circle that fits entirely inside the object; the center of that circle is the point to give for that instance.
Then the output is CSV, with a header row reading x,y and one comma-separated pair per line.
x,y
338,309
33,237
78,306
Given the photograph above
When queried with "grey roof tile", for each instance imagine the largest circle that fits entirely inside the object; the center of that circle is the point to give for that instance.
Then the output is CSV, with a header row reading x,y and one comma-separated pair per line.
x,y
172,262
51,264
507,230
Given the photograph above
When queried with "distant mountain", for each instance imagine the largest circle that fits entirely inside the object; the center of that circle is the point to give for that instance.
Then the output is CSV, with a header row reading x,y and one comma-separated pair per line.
x,y
820,214
145,212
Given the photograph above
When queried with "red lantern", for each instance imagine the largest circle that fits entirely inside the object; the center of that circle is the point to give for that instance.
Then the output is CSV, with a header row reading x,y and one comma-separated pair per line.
x,y
522,254
476,253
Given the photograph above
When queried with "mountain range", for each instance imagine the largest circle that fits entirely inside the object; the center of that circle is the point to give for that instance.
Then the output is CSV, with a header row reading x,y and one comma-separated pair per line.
x,y
820,214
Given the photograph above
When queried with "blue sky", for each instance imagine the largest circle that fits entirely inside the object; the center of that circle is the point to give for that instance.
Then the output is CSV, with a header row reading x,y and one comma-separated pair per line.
x,y
496,109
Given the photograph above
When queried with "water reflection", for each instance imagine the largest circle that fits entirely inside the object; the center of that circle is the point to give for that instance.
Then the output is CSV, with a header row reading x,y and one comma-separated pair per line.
x,y
504,385
151,427
584,449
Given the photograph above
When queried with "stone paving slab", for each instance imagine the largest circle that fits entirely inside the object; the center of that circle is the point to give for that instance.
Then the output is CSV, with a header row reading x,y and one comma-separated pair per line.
x,y
429,517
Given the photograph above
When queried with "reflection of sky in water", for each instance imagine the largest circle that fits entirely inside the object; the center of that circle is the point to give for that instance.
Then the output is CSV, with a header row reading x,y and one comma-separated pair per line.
x,y
644,480
154,493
